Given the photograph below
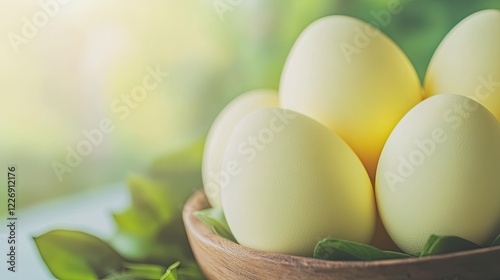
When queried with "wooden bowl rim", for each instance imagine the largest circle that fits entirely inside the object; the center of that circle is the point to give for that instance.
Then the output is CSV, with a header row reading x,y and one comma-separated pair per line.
x,y
203,233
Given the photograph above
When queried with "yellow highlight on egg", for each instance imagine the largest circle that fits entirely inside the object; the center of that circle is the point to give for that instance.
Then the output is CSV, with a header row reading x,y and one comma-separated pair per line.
x,y
353,79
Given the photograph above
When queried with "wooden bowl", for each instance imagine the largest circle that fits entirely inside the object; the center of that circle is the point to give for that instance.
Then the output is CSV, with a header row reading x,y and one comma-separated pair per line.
x,y
220,258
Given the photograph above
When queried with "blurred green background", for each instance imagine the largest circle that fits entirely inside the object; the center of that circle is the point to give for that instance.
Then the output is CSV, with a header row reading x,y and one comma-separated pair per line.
x,y
90,53
65,73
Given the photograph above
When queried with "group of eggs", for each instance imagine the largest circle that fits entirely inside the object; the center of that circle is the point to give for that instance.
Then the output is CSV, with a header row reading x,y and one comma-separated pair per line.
x,y
352,138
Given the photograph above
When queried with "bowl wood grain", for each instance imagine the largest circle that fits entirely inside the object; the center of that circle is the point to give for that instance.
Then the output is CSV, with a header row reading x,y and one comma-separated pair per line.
x,y
220,258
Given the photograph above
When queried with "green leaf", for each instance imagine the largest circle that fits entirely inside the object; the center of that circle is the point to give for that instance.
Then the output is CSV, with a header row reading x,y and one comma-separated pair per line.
x,y
343,250
123,276
191,271
151,208
438,244
168,245
176,271
136,222
138,272
180,171
214,219
151,197
496,242
151,230
171,273
77,255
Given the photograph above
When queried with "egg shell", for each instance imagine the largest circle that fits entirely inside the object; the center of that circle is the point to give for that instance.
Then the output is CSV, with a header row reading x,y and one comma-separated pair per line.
x,y
467,62
290,181
352,78
439,174
219,134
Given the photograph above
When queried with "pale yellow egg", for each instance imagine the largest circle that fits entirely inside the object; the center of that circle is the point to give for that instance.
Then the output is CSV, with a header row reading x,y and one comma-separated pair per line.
x,y
353,79
439,173
219,134
289,181
467,62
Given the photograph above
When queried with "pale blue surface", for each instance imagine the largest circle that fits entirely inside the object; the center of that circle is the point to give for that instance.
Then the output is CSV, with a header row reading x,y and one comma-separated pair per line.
x,y
89,211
